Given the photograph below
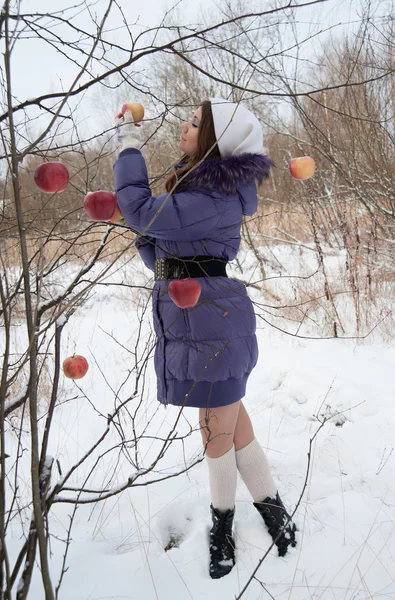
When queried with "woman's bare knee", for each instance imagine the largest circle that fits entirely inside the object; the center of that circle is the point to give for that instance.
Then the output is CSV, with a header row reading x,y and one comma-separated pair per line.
x,y
217,426
244,432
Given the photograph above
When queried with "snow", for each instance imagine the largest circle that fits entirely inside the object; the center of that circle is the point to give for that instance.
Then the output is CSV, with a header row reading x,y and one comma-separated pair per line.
x,y
10,403
48,462
226,562
62,320
342,389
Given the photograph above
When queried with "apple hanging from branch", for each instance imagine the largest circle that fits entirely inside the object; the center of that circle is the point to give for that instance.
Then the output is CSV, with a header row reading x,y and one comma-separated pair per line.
x,y
103,206
184,292
135,108
302,167
51,177
75,367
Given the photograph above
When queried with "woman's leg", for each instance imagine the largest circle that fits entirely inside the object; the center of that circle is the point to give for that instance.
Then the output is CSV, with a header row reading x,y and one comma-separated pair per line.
x,y
255,471
217,429
251,460
244,432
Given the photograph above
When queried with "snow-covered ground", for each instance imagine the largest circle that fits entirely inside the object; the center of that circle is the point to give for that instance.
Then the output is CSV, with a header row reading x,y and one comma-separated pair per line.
x,y
346,517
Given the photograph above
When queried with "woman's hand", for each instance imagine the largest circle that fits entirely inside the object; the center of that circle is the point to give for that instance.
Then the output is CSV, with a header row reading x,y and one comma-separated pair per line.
x,y
128,132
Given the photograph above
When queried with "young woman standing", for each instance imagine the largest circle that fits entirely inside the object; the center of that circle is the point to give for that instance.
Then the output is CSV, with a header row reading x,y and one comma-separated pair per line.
x,y
205,354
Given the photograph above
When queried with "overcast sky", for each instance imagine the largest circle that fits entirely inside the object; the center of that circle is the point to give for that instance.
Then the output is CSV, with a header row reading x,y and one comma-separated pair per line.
x,y
38,69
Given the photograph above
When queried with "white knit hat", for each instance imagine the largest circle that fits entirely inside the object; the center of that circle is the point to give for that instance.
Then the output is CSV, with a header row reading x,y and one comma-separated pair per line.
x,y
237,130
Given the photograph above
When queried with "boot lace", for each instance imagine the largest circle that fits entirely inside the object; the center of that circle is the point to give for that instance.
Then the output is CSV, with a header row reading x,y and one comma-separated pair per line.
x,y
221,542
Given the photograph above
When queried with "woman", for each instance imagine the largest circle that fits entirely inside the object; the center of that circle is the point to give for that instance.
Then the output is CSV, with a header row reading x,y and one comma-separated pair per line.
x,y
205,354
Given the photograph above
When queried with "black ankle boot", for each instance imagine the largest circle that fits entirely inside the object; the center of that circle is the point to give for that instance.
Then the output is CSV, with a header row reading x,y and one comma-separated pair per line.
x,y
222,545
273,512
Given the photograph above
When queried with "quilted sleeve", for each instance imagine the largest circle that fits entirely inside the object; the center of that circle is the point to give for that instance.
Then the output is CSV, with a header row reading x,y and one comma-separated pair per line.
x,y
185,216
146,249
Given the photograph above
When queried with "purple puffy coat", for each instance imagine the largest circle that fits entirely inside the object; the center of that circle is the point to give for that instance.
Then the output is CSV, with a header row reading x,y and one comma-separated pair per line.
x,y
204,354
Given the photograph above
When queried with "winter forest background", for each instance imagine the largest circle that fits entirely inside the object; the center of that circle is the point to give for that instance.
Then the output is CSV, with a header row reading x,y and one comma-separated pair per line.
x,y
103,493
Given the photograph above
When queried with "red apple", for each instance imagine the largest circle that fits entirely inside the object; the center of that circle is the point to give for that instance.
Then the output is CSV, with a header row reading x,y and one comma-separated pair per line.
x,y
302,167
184,292
135,108
51,177
100,206
75,367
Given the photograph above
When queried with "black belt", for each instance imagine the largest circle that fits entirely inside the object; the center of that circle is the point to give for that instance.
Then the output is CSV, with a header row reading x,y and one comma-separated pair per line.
x,y
189,266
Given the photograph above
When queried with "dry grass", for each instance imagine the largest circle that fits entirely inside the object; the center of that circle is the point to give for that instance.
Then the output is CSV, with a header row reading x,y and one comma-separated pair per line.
x,y
79,246
355,297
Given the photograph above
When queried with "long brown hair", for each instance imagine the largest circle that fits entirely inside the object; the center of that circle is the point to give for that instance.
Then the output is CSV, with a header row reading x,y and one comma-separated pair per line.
x,y
206,140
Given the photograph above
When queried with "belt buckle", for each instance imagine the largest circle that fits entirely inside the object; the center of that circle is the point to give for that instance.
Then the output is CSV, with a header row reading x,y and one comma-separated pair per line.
x,y
160,269
176,271
165,269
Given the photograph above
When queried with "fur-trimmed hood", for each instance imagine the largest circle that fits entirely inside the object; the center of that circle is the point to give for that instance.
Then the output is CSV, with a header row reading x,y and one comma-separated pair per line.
x,y
227,174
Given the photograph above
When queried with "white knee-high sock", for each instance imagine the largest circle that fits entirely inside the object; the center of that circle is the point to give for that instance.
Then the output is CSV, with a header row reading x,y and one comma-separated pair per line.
x,y
254,469
223,480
